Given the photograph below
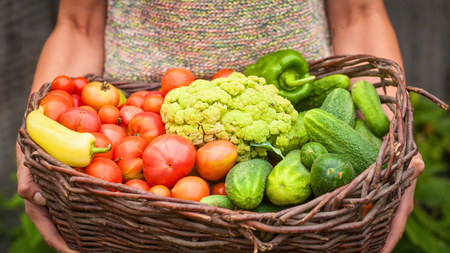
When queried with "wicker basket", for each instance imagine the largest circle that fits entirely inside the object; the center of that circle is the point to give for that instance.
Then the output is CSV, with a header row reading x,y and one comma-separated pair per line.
x,y
92,219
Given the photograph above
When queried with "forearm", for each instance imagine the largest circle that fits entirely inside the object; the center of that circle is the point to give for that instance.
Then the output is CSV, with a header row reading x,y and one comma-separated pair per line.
x,y
363,27
68,53
75,47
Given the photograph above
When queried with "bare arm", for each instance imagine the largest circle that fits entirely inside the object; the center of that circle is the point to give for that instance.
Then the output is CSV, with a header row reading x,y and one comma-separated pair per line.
x,y
74,48
363,27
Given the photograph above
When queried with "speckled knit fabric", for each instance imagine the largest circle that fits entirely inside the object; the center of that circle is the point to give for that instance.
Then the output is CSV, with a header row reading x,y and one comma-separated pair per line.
x,y
143,39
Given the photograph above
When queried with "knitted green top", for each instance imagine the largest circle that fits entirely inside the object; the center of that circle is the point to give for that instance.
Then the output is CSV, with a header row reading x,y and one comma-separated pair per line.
x,y
145,38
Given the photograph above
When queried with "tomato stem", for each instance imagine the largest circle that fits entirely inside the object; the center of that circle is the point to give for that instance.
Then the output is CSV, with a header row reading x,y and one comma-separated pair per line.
x,y
105,86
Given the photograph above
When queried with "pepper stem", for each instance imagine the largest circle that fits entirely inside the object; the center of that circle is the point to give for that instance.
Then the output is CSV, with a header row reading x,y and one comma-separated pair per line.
x,y
289,79
95,150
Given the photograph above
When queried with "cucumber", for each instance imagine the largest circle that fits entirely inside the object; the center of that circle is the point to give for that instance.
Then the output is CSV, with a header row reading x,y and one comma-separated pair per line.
x,y
321,88
337,137
246,181
362,128
297,137
289,182
310,152
219,200
267,207
366,100
340,104
329,172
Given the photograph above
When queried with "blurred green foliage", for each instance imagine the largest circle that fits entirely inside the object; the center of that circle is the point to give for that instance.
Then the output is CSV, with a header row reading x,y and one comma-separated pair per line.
x,y
24,236
428,227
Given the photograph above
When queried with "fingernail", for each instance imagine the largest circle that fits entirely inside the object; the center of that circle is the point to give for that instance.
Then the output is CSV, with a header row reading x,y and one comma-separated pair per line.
x,y
38,199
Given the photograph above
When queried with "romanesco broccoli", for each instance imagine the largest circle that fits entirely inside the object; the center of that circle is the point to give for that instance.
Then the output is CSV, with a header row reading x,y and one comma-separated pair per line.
x,y
237,108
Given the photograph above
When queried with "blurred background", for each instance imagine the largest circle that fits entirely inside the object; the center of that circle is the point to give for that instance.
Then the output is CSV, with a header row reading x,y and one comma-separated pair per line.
x,y
423,32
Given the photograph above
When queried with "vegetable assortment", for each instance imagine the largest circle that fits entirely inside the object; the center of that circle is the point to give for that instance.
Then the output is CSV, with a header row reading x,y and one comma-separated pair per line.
x,y
275,131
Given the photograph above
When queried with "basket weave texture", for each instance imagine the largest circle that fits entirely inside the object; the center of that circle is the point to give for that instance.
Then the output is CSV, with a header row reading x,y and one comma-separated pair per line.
x,y
92,219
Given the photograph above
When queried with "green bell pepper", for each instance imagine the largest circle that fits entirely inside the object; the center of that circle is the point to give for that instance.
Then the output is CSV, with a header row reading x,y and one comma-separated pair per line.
x,y
288,71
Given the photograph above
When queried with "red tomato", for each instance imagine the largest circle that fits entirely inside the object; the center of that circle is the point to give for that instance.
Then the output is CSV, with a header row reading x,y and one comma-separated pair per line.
x,y
102,141
141,93
54,106
80,169
153,103
219,189
215,159
161,190
76,100
108,114
222,73
175,78
80,120
64,83
127,113
147,125
105,169
60,93
128,155
138,184
190,188
114,132
136,99
155,93
367,209
78,84
167,159
87,107
97,94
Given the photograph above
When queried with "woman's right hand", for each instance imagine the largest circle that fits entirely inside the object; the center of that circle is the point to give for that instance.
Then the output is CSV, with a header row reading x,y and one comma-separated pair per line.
x,y
35,207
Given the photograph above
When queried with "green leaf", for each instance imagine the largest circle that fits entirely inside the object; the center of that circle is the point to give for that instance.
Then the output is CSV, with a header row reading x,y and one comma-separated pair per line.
x,y
436,227
420,237
31,234
405,246
432,191
12,203
267,145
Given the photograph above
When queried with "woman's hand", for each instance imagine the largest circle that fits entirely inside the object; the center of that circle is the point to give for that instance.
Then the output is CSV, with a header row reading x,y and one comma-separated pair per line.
x,y
405,208
35,207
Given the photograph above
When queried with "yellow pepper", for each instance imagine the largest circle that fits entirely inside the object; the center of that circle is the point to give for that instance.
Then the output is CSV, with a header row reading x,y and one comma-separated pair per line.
x,y
70,147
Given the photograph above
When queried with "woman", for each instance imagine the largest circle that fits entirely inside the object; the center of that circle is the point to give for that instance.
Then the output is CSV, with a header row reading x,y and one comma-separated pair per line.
x,y
141,40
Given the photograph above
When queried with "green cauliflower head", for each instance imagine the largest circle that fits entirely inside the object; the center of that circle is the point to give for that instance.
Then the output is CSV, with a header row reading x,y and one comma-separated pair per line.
x,y
239,109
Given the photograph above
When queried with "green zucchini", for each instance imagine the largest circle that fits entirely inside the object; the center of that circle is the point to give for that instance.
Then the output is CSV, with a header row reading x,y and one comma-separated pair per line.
x,y
321,88
366,99
219,200
340,104
339,138
362,128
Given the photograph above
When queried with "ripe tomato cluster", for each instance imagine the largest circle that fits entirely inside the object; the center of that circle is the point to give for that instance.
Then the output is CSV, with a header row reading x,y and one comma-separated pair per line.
x,y
142,155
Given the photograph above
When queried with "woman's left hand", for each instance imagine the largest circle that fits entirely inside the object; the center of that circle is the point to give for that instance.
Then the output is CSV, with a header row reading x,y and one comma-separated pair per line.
x,y
405,208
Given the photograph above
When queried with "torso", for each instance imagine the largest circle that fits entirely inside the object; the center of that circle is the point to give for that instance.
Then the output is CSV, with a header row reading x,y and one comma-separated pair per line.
x,y
143,39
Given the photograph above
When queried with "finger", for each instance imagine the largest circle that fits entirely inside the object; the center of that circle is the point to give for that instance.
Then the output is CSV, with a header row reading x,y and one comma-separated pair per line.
x,y
40,216
26,187
419,165
401,215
